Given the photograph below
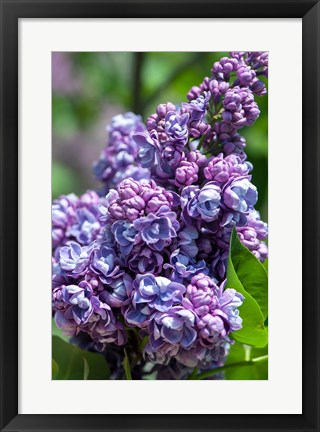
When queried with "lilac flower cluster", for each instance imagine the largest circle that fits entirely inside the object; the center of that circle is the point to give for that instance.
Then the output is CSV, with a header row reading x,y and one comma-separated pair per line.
x,y
148,259
76,218
118,160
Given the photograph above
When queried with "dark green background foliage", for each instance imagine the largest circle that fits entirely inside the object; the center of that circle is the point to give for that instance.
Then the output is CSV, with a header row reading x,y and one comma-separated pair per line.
x,y
112,83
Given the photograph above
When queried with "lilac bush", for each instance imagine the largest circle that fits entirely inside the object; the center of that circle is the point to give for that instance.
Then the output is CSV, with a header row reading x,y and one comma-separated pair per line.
x,y
142,263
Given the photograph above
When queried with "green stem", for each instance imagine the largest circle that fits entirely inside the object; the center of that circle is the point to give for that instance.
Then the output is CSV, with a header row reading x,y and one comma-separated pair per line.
x,y
193,374
201,142
211,372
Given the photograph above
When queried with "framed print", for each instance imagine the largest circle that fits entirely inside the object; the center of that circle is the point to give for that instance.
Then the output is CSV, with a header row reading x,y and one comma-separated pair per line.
x,y
159,215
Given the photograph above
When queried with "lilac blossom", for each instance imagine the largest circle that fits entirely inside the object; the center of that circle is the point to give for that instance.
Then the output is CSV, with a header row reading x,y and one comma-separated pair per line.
x,y
176,127
76,219
63,215
238,197
221,169
133,199
74,259
143,259
148,147
184,266
169,331
117,292
187,241
151,294
157,231
105,264
240,109
203,203
125,235
121,152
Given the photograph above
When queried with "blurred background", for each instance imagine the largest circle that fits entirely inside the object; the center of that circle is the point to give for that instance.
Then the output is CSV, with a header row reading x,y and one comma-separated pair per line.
x,y
89,88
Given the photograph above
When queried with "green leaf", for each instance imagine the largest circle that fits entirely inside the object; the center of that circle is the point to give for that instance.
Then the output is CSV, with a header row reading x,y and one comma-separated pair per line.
x,y
251,273
253,331
239,353
55,369
77,364
86,369
126,366
143,343
266,265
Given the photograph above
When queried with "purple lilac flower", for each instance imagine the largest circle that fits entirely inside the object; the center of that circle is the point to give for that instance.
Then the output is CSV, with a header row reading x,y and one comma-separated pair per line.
x,y
238,197
240,109
221,169
169,158
169,331
219,262
86,227
121,152
80,305
197,107
157,121
59,281
76,218
190,169
261,228
136,172
184,266
79,298
224,67
151,294
176,127
202,203
259,61
83,311
74,259
105,331
117,292
68,326
252,235
218,89
125,124
142,259
198,158
171,155
245,75
216,309
125,235
258,87
157,231
148,145
134,199
105,264
186,174
248,236
202,357
187,241
235,144
63,215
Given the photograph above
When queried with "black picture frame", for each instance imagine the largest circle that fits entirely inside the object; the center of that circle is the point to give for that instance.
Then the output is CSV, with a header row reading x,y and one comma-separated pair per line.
x,y
11,11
